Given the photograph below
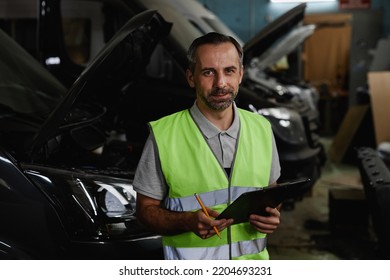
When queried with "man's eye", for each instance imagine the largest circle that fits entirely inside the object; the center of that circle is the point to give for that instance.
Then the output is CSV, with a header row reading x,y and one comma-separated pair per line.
x,y
230,71
208,73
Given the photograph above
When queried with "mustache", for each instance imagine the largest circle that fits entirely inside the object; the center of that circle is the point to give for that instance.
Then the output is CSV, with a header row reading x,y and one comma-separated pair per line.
x,y
221,91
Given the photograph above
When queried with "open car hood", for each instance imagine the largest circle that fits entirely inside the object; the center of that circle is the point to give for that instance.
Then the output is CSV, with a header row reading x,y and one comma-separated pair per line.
x,y
123,57
285,46
272,36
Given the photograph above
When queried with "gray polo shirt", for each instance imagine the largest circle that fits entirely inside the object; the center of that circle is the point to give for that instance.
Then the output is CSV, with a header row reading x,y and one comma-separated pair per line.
x,y
149,179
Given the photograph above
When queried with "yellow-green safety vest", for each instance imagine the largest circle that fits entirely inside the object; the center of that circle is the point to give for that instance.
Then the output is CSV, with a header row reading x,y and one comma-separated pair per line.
x,y
189,166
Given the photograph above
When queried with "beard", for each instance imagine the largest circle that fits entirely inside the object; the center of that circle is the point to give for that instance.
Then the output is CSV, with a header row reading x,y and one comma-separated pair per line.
x,y
219,99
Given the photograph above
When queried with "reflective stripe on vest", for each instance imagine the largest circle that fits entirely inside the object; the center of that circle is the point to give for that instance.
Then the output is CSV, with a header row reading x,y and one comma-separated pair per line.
x,y
217,253
209,199
189,166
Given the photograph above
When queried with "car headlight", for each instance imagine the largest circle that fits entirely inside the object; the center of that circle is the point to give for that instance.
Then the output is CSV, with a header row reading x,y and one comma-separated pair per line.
x,y
116,200
91,205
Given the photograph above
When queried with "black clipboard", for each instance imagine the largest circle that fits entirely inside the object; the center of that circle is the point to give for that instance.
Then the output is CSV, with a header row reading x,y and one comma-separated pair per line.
x,y
255,202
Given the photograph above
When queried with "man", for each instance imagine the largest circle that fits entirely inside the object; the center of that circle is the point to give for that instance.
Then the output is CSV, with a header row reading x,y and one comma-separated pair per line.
x,y
215,150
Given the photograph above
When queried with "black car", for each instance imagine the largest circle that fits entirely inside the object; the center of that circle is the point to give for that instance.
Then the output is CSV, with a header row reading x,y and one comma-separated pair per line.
x,y
65,192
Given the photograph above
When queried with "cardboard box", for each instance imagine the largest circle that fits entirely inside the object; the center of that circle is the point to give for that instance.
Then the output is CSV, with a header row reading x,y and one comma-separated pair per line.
x,y
356,130
379,84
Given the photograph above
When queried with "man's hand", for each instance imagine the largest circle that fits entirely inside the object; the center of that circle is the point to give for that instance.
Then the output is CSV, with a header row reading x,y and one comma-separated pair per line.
x,y
153,216
204,225
266,224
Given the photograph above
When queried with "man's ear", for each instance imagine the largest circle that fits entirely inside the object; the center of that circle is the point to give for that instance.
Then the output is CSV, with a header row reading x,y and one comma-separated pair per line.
x,y
190,78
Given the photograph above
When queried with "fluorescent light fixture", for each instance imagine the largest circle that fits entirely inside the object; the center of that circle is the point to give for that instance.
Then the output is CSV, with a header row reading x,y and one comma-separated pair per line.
x,y
299,1
52,60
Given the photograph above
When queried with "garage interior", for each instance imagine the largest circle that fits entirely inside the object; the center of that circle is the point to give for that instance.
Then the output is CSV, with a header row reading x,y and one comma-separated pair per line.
x,y
347,61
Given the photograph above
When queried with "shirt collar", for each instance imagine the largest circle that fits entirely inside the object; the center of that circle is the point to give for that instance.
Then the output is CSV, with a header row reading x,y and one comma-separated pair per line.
x,y
208,129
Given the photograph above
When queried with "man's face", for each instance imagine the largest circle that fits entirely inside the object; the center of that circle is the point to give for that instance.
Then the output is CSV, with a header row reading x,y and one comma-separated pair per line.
x,y
217,76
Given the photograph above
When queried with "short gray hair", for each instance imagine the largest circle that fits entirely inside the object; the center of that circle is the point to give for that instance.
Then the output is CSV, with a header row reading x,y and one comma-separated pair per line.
x,y
213,38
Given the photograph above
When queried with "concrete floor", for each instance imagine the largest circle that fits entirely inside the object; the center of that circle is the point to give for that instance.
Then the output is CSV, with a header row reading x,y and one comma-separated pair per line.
x,y
308,233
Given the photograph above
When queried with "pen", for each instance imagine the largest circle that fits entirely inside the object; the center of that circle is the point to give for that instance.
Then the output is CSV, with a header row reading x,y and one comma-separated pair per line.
x,y
207,213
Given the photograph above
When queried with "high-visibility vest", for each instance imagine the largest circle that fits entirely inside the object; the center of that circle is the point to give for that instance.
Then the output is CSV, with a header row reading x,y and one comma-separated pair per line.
x,y
189,166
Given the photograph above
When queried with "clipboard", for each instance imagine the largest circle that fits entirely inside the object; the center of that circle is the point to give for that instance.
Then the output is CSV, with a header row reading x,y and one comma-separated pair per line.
x,y
255,202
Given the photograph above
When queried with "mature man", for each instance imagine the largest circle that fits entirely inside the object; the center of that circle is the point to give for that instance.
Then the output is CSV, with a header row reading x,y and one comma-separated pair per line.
x,y
215,150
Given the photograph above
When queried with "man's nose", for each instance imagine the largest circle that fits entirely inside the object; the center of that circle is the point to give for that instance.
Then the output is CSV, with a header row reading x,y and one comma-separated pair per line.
x,y
220,80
